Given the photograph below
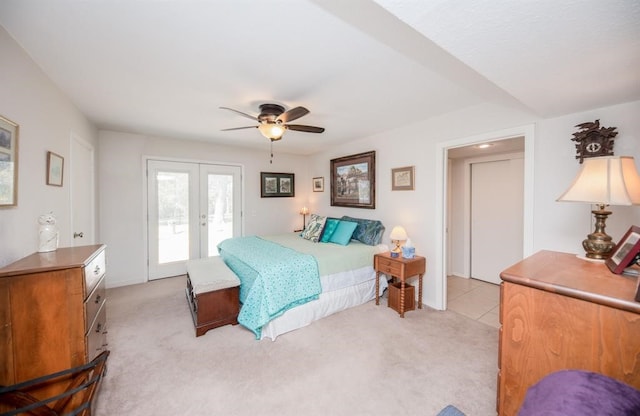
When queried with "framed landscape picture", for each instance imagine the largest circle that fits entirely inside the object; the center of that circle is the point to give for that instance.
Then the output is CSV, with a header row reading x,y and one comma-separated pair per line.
x,y
353,181
277,184
625,252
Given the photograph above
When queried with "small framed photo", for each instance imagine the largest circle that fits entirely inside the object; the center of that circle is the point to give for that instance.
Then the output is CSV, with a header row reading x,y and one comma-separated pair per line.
x,y
8,163
318,184
55,169
277,184
625,252
402,178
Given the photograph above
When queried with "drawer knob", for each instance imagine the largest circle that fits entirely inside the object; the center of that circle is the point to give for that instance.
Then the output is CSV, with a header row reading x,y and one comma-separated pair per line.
x,y
98,297
96,270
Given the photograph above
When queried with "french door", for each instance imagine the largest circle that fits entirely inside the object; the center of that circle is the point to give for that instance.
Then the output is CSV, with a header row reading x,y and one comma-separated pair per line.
x,y
191,208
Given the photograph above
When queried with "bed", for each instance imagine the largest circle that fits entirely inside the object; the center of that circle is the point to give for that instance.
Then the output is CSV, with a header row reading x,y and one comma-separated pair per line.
x,y
290,280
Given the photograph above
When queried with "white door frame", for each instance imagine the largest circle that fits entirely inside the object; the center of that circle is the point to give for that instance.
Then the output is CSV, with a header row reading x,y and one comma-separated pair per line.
x,y
442,167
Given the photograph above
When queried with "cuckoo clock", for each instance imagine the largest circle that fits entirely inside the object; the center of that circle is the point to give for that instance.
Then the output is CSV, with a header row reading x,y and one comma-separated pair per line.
x,y
593,140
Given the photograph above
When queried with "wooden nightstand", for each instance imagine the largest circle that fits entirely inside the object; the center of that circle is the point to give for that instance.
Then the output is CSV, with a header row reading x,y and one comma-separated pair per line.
x,y
402,269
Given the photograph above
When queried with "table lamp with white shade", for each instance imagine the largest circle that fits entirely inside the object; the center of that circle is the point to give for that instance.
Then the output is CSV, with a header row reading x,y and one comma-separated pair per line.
x,y
398,234
604,181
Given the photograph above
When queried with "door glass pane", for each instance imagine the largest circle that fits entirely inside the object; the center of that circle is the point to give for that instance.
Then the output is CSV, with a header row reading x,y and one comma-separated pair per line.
x,y
173,216
220,210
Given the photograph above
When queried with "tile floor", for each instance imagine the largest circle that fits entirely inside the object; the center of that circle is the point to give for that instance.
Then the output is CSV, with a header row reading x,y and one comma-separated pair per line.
x,y
474,298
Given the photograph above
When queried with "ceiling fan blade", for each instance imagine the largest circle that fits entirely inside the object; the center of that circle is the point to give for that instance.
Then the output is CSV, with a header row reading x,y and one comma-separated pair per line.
x,y
293,114
241,113
306,129
240,128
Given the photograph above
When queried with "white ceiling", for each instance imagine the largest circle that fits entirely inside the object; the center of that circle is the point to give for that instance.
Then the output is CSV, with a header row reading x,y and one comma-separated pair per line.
x,y
360,66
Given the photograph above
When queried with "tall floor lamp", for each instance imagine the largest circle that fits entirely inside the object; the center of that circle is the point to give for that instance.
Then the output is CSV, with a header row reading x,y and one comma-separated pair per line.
x,y
604,181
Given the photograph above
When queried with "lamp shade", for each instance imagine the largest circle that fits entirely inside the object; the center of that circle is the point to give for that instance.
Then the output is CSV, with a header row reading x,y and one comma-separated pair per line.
x,y
608,180
304,211
271,130
398,233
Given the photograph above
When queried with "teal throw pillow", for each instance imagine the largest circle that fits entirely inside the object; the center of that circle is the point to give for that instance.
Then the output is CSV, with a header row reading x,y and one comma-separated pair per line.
x,y
329,228
344,231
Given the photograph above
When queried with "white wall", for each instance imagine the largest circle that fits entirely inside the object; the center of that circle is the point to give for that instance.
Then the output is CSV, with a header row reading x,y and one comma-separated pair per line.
x,y
562,226
122,193
556,226
47,119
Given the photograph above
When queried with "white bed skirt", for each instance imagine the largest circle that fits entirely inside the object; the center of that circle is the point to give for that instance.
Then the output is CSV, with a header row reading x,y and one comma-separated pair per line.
x,y
328,303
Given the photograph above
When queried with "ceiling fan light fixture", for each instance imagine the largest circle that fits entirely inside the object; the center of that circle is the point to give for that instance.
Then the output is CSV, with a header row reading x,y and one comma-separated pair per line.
x,y
271,130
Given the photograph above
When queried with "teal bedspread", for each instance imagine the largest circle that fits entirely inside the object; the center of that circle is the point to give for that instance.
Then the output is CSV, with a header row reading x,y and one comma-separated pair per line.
x,y
273,278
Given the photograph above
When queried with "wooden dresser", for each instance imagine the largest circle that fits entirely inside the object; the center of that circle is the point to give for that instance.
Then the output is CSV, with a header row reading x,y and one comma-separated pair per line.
x,y
52,312
561,312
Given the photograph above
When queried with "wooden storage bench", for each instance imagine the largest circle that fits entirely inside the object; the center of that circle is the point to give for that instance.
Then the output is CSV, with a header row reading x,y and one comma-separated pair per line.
x,y
213,293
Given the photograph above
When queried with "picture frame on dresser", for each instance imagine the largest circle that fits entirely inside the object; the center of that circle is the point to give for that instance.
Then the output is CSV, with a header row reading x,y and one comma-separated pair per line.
x,y
624,253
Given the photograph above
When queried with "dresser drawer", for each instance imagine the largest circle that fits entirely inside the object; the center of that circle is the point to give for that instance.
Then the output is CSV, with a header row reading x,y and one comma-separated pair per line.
x,y
93,303
97,334
388,267
94,271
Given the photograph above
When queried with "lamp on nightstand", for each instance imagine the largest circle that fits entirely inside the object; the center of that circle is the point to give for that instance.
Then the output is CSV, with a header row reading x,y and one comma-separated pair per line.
x,y
604,181
304,212
397,235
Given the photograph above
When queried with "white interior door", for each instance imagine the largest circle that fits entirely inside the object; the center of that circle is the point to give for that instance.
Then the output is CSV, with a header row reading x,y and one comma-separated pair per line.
x,y
81,168
497,194
191,207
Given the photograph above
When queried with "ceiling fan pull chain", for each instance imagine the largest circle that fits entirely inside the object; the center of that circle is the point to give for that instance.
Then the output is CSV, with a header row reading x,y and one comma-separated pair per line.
x,y
271,151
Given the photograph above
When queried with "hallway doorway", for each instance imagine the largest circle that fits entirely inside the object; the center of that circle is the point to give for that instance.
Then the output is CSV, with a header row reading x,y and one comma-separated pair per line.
x,y
485,208
447,259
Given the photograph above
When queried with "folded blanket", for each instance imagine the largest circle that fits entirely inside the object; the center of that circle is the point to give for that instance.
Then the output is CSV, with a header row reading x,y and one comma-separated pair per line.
x,y
273,278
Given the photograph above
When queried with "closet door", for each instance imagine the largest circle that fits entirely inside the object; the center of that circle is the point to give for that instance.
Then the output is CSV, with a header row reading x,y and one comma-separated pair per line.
x,y
497,196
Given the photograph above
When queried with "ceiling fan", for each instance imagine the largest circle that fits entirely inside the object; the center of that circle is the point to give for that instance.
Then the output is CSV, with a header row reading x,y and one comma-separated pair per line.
x,y
273,121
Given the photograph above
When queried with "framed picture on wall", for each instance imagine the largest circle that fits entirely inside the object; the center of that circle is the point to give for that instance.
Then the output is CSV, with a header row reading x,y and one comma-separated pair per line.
x,y
353,181
55,169
8,163
402,178
277,184
318,184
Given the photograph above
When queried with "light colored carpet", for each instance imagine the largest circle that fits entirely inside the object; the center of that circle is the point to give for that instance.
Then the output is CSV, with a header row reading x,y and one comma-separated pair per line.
x,y
364,361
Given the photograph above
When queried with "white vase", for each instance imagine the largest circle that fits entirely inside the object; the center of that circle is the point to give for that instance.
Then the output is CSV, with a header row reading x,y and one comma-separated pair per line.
x,y
47,235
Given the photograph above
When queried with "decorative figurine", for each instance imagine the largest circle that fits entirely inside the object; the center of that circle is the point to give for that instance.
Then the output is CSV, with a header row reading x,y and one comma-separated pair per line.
x,y
48,233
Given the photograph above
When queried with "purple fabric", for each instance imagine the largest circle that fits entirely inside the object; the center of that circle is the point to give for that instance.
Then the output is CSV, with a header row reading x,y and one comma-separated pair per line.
x,y
575,392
